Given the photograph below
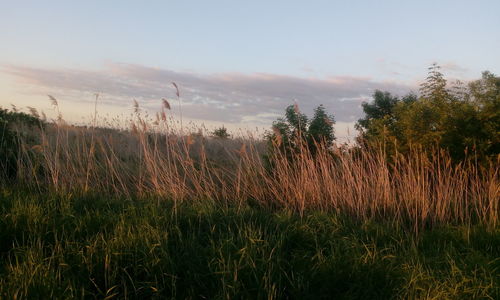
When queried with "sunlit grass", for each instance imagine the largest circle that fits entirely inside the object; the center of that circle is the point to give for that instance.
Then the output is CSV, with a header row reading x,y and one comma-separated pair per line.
x,y
158,211
157,159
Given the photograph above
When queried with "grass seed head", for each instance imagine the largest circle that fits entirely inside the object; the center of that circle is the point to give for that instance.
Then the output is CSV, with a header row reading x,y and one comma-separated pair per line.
x,y
165,103
53,100
176,89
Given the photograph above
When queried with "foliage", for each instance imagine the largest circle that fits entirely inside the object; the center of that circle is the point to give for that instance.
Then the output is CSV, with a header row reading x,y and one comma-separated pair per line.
x,y
484,95
462,119
321,128
295,130
144,214
221,133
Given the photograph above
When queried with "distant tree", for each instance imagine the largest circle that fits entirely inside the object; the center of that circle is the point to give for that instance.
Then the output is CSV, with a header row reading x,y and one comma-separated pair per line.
x,y
424,121
295,130
289,132
484,96
434,87
380,125
382,107
321,128
221,133
296,122
460,120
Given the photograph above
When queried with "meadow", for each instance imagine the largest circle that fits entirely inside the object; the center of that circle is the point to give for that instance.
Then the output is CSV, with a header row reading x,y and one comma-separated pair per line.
x,y
158,211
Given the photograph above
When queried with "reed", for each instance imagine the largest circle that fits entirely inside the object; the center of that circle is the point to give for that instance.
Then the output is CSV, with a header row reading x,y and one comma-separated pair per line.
x,y
140,208
424,188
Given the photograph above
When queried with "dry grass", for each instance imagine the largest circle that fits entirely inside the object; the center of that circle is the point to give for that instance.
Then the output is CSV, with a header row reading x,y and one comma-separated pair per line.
x,y
339,223
155,159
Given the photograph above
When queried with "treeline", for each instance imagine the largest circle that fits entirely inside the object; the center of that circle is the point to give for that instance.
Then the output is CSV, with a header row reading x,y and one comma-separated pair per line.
x,y
462,119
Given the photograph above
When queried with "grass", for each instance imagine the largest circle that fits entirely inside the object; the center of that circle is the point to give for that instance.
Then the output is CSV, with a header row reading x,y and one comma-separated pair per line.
x,y
157,212
421,189
89,246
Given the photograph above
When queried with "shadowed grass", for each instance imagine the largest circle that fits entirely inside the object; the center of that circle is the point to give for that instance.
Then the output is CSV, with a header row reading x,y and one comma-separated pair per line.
x,y
94,247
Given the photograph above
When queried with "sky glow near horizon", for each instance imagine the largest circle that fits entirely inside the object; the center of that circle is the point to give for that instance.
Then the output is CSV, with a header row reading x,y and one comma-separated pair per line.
x,y
238,63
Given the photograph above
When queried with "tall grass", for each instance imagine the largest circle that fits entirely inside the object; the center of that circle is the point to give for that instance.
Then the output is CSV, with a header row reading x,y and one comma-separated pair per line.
x,y
152,211
154,159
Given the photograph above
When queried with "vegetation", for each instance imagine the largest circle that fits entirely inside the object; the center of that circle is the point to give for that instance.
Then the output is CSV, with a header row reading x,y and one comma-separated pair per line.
x,y
462,120
221,133
13,126
67,246
158,212
295,132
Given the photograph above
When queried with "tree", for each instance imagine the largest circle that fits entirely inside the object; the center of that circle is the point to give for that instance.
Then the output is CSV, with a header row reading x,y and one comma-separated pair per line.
x,y
321,128
297,123
221,133
295,130
382,107
289,132
380,126
434,87
484,96
460,122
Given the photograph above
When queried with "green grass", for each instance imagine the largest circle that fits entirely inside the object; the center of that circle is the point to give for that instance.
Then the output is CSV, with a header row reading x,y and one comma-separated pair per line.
x,y
63,247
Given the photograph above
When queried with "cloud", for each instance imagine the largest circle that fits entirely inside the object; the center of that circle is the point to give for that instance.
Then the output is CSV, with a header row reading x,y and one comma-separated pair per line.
x,y
453,67
226,97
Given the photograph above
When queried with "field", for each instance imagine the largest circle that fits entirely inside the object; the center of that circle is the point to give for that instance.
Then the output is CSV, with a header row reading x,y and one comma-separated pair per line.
x,y
60,247
155,212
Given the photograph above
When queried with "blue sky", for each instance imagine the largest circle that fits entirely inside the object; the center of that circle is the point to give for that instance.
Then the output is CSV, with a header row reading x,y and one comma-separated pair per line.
x,y
248,59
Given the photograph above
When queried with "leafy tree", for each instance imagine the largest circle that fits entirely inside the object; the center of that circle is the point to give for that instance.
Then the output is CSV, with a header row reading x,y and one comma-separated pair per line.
x,y
457,122
434,87
382,107
484,96
321,128
381,122
467,118
297,123
295,130
221,133
289,132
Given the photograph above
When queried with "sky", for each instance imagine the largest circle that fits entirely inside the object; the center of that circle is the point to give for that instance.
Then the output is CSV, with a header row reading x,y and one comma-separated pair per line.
x,y
237,63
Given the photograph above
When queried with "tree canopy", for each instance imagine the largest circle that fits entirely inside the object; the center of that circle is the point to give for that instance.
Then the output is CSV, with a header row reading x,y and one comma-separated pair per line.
x,y
461,118
295,130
